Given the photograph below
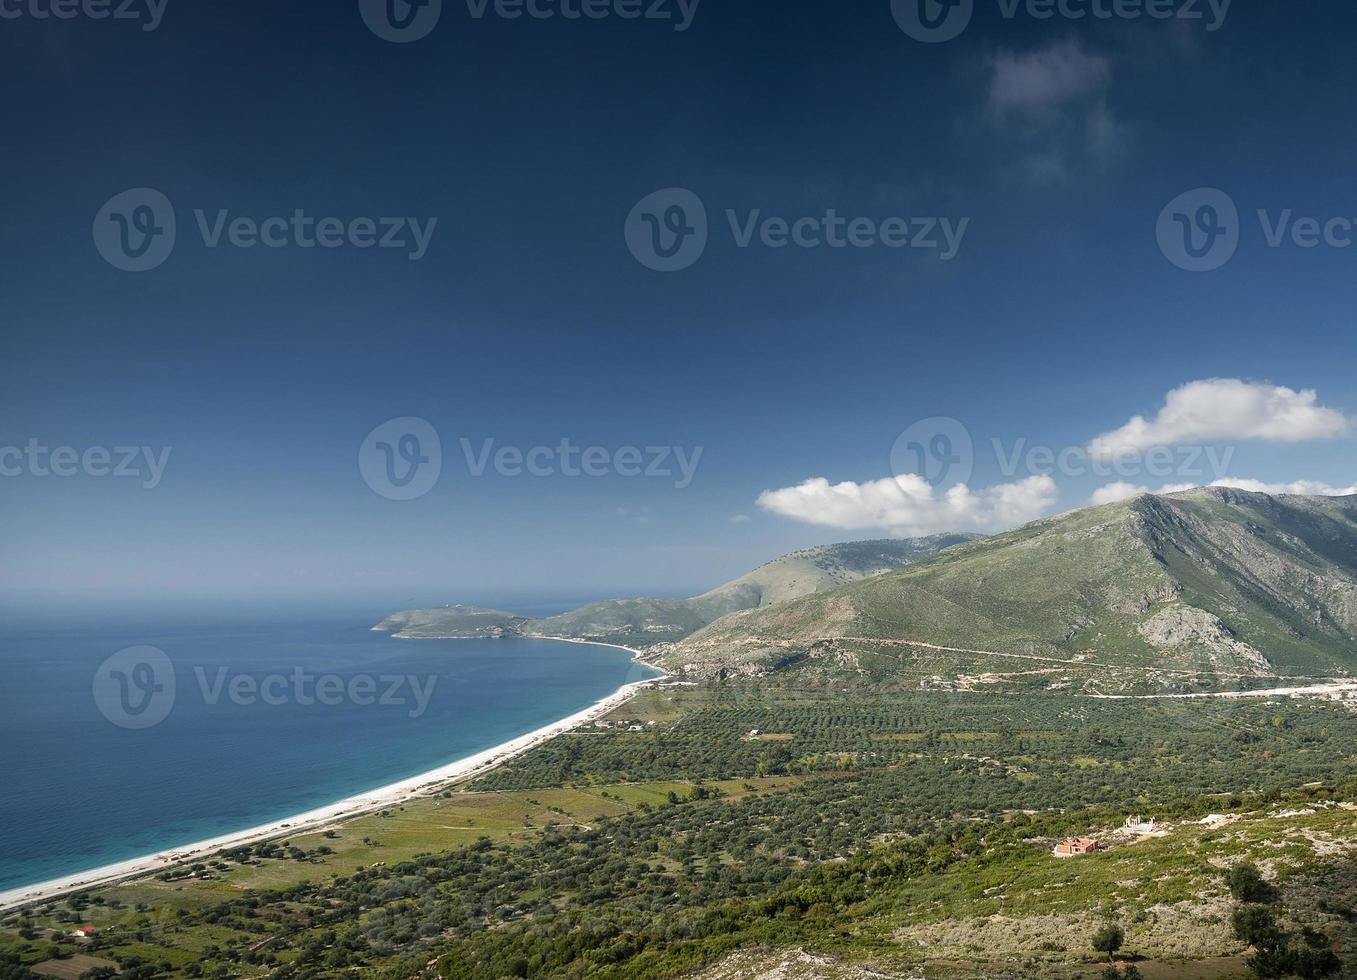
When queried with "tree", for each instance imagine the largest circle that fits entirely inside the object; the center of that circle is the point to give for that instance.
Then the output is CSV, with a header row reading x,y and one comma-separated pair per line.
x,y
1247,884
1276,957
1257,926
1312,964
1271,964
12,968
1109,939
1130,973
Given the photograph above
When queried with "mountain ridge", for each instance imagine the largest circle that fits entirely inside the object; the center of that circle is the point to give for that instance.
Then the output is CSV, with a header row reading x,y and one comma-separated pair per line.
x,y
1216,582
643,621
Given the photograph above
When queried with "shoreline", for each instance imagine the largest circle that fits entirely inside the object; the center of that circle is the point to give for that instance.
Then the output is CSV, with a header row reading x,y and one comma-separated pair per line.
x,y
413,787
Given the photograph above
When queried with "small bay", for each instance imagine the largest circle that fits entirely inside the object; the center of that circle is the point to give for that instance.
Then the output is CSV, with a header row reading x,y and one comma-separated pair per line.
x,y
267,721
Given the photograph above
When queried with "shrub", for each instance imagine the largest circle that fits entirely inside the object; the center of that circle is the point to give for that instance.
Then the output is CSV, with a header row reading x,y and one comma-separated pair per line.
x,y
1109,939
1247,884
1257,926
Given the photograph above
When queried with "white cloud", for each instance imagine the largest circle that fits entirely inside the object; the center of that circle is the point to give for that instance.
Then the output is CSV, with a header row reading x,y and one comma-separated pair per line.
x,y
1051,103
1042,80
1122,490
1309,488
739,518
1107,136
907,505
1225,408
1113,492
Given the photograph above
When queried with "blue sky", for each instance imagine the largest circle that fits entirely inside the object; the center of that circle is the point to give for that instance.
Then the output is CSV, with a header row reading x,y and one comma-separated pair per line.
x,y
528,320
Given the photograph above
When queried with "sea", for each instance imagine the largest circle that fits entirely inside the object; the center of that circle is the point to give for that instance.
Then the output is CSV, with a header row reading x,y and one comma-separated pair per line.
x,y
127,737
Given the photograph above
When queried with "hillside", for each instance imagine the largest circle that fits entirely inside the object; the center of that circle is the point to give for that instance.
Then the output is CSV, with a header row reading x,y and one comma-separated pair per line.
x,y
452,622
644,621
1176,589
800,573
862,835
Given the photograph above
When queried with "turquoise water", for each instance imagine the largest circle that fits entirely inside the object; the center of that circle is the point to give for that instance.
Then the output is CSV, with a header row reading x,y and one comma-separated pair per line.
x,y
264,721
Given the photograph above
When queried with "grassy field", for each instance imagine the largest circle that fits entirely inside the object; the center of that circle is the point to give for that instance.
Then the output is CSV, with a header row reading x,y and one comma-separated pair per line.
x,y
904,833
422,827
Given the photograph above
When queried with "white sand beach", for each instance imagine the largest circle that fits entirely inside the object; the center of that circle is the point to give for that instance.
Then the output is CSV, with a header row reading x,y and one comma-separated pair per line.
x,y
424,784
1336,688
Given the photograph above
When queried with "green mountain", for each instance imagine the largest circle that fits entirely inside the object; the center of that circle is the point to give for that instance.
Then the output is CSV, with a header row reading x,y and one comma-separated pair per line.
x,y
799,574
453,623
646,621
1172,590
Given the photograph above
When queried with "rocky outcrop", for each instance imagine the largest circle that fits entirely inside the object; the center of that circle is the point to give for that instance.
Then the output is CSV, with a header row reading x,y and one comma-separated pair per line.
x,y
1186,629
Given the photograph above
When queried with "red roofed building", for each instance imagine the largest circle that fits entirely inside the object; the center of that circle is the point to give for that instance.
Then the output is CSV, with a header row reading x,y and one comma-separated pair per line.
x,y
1075,846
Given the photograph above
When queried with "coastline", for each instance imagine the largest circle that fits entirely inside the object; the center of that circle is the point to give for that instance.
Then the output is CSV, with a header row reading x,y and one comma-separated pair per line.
x,y
413,787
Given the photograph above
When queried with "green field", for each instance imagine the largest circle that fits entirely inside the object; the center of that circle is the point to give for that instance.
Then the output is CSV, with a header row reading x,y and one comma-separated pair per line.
x,y
902,832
